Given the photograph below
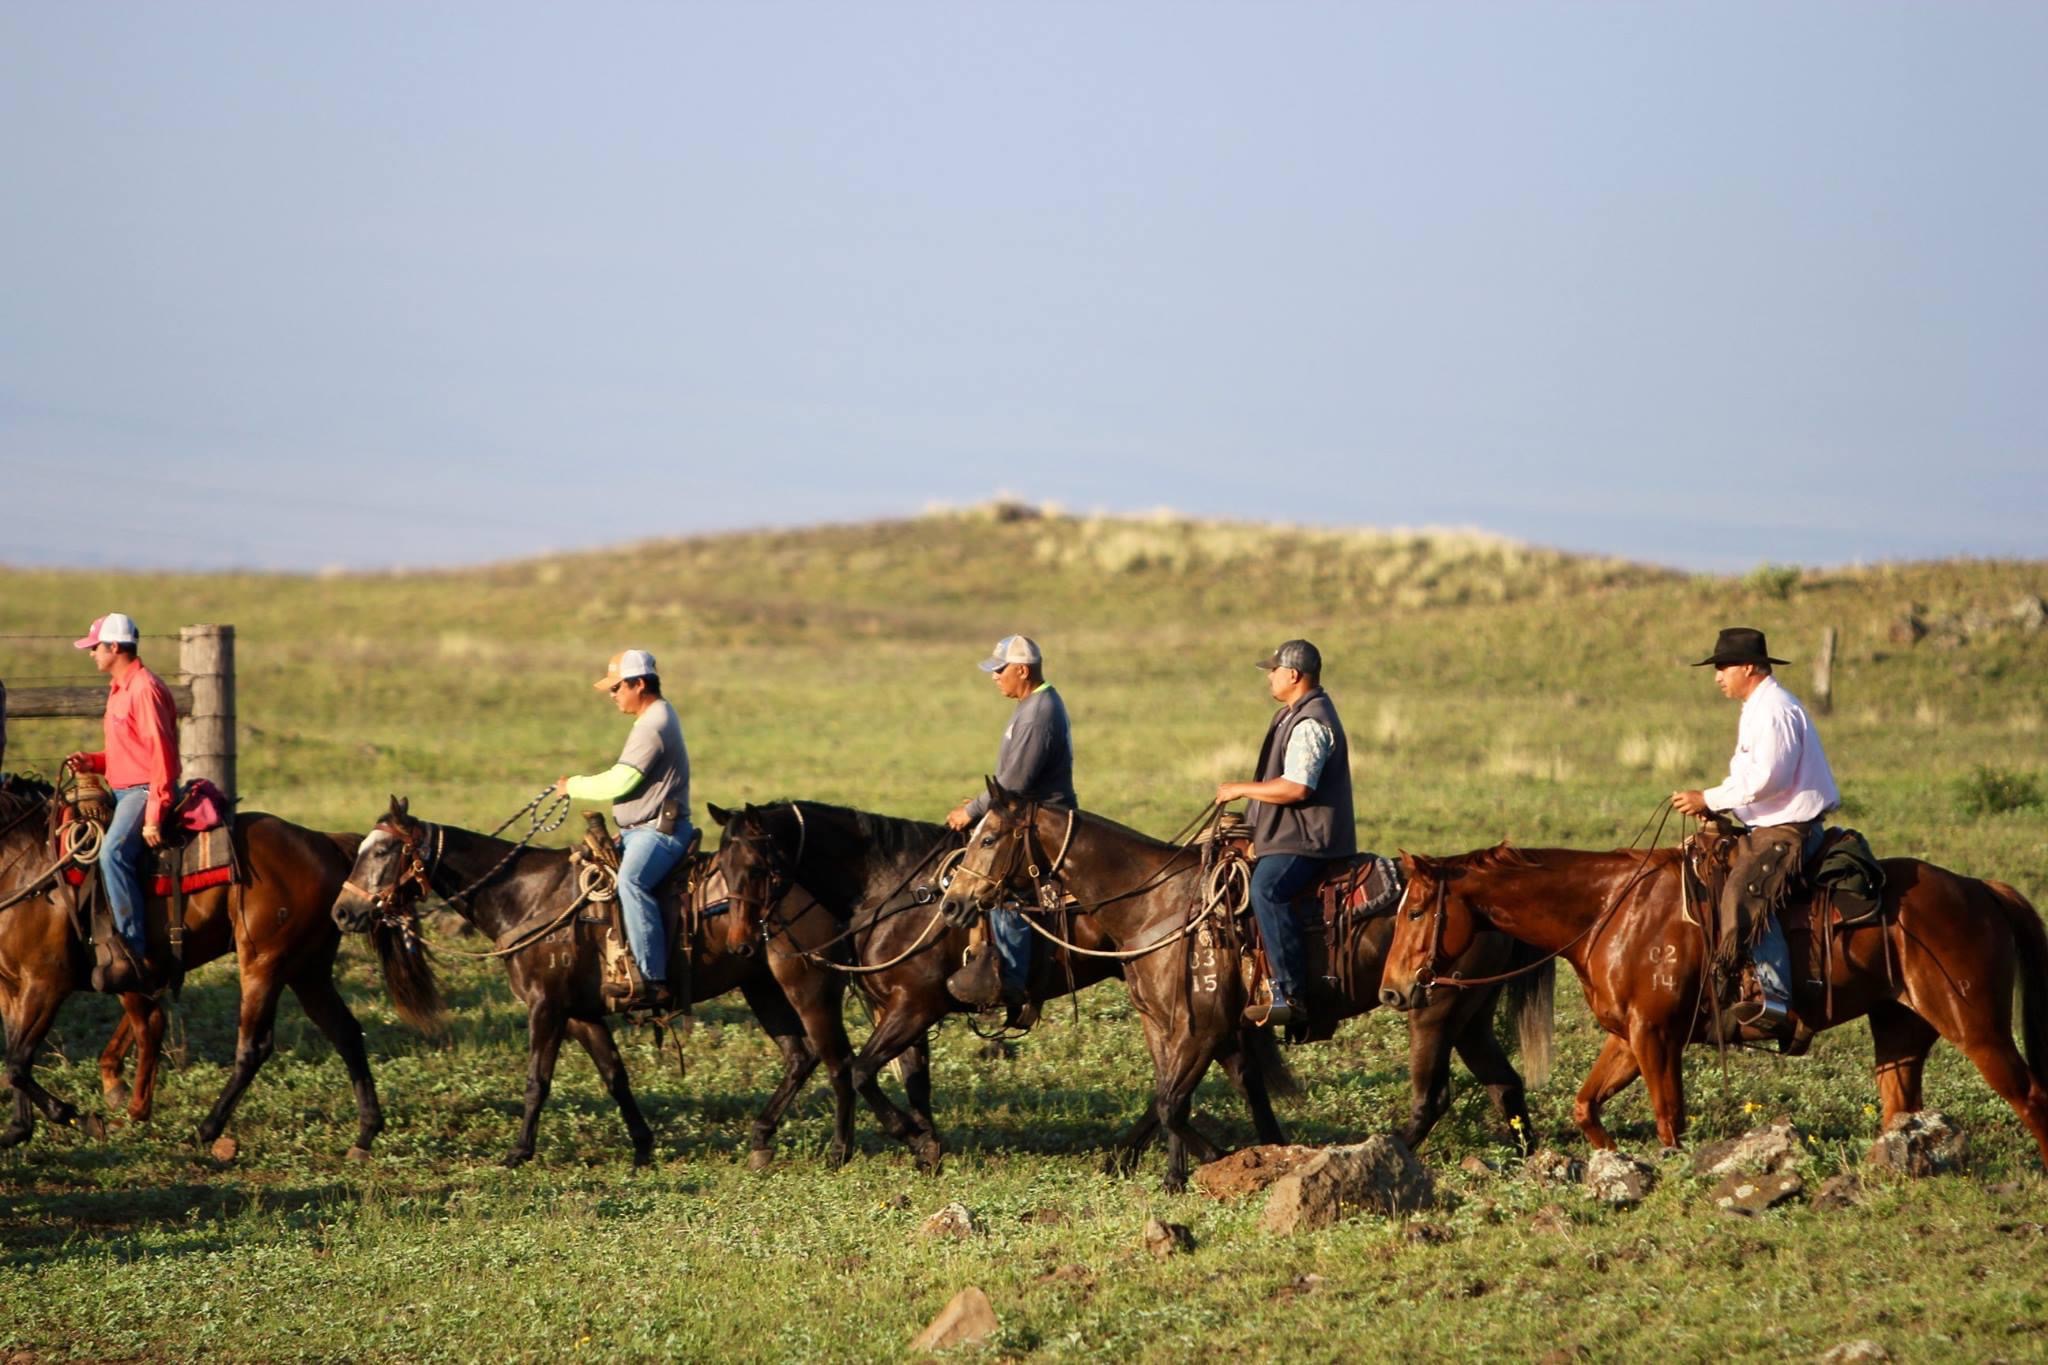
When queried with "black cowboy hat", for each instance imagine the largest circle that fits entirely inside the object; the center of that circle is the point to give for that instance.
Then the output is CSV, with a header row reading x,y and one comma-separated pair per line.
x,y
1739,645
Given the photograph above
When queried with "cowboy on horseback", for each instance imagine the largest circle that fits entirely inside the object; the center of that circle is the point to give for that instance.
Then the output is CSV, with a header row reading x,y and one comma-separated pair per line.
x,y
1036,762
140,763
1300,814
1779,785
649,788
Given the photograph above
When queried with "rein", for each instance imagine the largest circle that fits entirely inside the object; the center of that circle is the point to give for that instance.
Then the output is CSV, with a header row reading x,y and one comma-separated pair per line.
x,y
1429,978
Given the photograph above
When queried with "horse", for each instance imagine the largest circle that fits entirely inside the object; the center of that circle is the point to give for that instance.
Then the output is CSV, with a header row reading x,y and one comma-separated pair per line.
x,y
274,919
1180,964
527,899
874,879
1941,961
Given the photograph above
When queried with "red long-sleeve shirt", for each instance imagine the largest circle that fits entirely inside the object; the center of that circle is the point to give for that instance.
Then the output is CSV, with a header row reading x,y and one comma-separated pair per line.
x,y
142,740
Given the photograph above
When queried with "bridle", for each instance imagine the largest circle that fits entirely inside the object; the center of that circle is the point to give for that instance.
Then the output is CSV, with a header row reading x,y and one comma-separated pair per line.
x,y
415,871
770,873
1023,852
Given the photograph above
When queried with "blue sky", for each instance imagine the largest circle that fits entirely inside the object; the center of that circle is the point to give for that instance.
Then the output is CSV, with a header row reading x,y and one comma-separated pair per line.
x,y
370,284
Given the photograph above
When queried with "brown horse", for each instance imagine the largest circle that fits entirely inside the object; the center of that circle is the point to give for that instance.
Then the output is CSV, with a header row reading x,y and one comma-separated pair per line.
x,y
527,899
1941,963
1182,965
276,924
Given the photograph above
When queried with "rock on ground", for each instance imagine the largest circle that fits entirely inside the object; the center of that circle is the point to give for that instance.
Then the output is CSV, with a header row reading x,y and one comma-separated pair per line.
x,y
1168,1239
1863,1351
1926,1143
1749,1195
1379,1175
1838,1192
1250,1170
968,1317
1617,1179
956,1221
1773,1147
1551,1167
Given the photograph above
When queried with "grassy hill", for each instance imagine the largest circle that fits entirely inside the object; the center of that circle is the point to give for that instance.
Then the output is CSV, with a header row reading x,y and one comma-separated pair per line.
x,y
1491,690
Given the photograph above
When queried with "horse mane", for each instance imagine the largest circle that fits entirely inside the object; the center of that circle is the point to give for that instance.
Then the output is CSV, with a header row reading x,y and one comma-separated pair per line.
x,y
20,794
1117,827
892,836
1502,855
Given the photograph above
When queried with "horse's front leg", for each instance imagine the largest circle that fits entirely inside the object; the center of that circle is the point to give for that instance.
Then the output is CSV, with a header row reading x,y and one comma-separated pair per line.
x,y
29,1018
1613,1070
596,1037
1661,1058
545,1020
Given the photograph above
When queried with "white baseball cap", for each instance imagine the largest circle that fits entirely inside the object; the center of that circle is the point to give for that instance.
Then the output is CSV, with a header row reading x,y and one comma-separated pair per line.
x,y
626,665
111,629
1012,649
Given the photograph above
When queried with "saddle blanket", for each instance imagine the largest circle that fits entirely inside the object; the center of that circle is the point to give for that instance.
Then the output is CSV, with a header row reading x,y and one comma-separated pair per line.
x,y
209,861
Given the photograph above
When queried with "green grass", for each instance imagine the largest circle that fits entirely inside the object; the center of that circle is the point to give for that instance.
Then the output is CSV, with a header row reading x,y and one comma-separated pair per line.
x,y
1491,691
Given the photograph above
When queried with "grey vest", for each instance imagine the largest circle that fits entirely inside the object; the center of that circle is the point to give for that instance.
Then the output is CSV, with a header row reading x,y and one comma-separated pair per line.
x,y
1321,824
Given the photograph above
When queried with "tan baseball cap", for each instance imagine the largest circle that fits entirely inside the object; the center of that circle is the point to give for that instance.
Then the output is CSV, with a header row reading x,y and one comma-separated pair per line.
x,y
625,666
1012,649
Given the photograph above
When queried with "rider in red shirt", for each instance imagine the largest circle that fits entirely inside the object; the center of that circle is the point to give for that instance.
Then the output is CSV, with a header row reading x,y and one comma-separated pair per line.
x,y
140,763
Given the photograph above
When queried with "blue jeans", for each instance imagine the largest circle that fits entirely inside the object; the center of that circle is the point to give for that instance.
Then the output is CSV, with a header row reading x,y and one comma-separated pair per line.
x,y
647,855
124,862
1012,937
1276,879
1772,956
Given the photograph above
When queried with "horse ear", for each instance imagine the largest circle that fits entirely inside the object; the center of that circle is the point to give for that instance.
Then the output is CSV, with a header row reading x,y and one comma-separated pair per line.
x,y
718,812
398,805
997,793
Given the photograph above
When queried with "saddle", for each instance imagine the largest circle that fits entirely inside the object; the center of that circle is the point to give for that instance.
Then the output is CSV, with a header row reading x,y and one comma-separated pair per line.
x,y
197,852
1334,912
693,892
1749,876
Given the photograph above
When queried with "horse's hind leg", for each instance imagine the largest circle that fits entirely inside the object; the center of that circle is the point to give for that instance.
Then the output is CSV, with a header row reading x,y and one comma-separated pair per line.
x,y
331,1015
2006,1071
1901,1040
596,1037
1250,1079
1489,1064
916,1075
113,1087
28,1022
149,1055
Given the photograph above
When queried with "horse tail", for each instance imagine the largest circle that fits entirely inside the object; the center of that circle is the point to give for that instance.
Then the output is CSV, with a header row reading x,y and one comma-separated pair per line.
x,y
2031,937
1262,1054
1533,997
409,977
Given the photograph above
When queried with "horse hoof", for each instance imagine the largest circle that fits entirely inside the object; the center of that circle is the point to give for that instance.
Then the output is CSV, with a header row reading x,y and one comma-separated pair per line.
x,y
760,1159
358,1152
14,1137
94,1127
118,1097
515,1159
225,1149
836,1157
643,1157
931,1158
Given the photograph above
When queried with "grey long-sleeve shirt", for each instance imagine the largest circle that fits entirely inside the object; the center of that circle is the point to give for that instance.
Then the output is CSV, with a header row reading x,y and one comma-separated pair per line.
x,y
1036,759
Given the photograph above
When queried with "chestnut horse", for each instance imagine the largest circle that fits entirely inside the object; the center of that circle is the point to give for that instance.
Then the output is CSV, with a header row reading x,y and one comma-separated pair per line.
x,y
526,899
1182,969
1941,963
276,924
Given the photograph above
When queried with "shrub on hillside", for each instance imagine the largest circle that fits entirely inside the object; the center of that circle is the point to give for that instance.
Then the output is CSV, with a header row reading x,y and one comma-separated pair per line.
x,y
1773,580
1994,791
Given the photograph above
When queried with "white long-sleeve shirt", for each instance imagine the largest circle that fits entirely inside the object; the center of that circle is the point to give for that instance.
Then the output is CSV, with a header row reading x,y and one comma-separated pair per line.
x,y
1779,775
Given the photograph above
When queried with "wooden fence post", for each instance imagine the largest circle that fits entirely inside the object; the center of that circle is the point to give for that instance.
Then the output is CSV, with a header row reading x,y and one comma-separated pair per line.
x,y
1824,673
206,738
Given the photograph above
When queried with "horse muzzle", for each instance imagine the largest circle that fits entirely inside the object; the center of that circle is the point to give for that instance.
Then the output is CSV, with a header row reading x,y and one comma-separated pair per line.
x,y
1416,996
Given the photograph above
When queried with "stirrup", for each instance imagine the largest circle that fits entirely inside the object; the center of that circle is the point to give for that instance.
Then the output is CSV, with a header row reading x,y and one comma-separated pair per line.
x,y
1269,1015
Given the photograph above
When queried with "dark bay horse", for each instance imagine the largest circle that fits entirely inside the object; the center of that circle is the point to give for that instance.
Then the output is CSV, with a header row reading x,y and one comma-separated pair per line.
x,y
276,924
1942,963
525,899
1145,897
872,880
